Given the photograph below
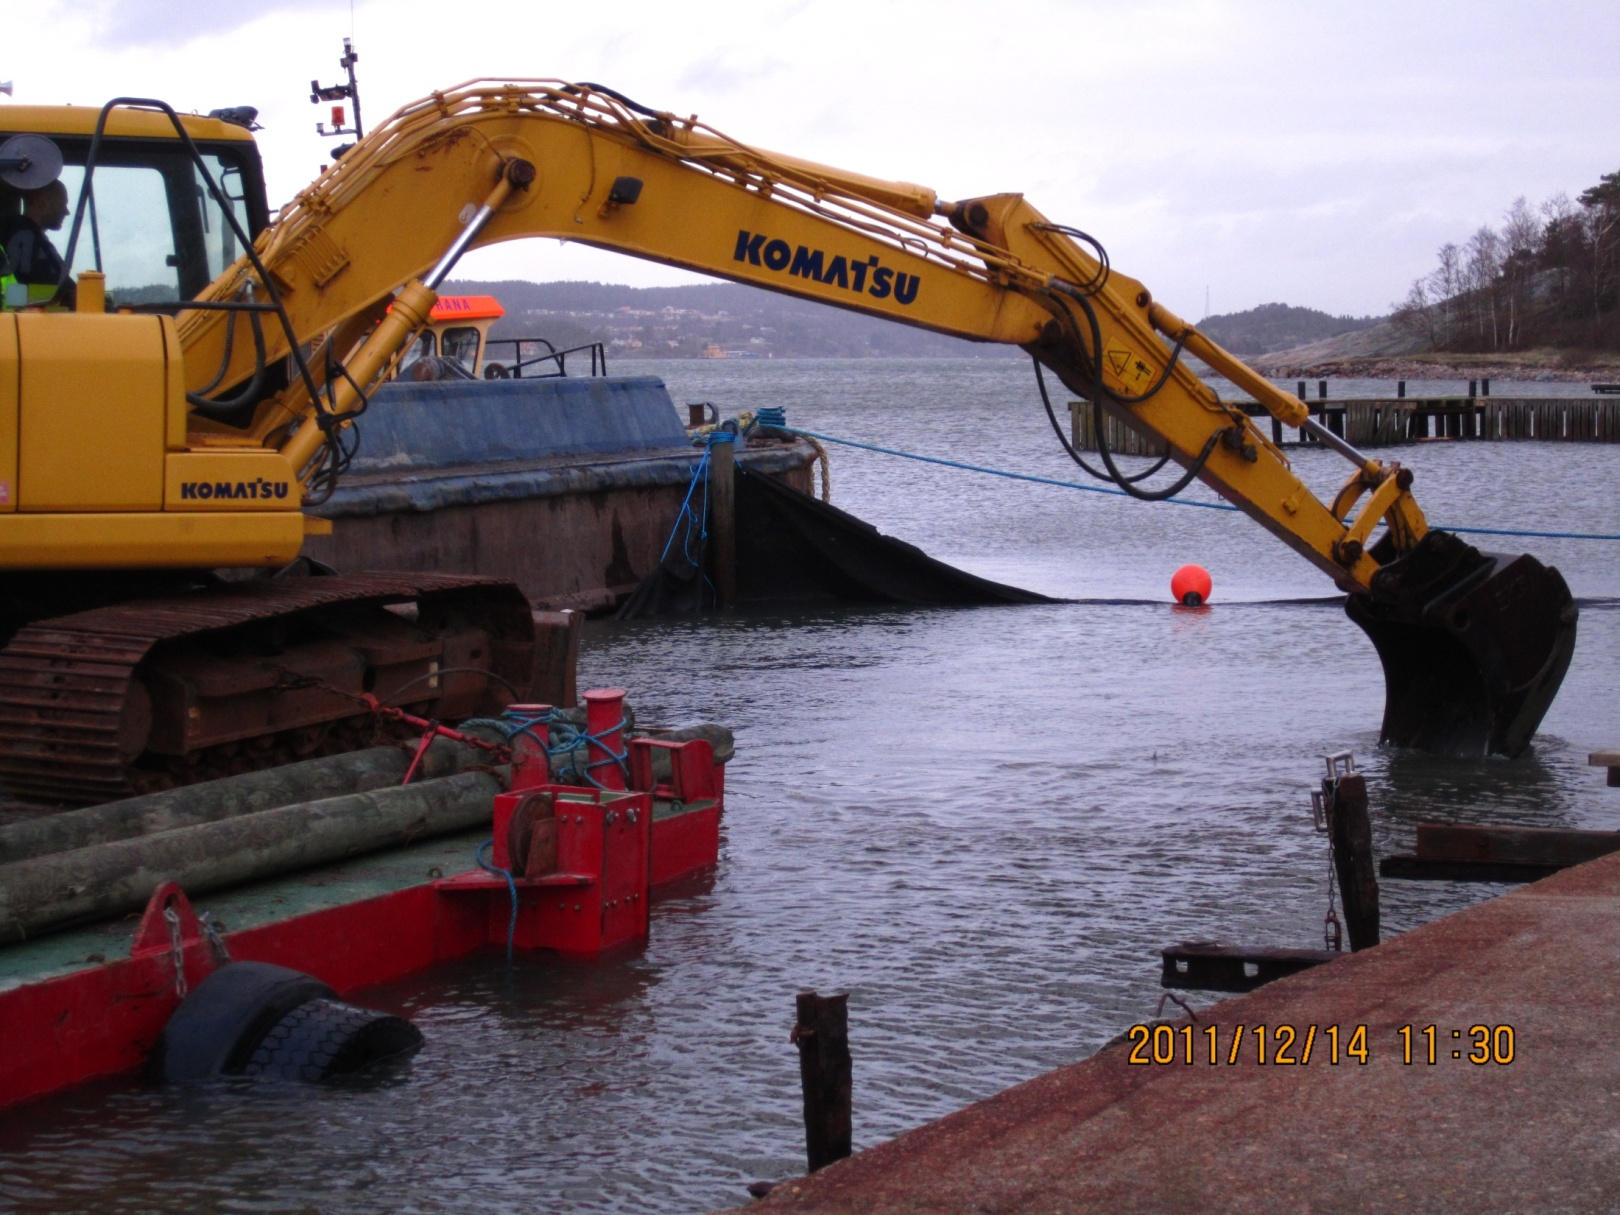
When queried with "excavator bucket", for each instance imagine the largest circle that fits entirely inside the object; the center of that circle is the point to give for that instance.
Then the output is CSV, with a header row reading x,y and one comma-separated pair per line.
x,y
1474,645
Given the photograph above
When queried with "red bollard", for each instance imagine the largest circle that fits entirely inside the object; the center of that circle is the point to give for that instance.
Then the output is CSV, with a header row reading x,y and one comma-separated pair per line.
x,y
604,719
531,767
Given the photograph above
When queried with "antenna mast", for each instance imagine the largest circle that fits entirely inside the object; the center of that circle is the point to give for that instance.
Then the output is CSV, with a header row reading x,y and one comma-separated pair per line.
x,y
339,93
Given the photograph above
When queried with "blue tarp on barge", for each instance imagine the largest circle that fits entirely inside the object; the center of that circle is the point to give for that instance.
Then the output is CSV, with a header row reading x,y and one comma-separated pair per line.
x,y
441,423
435,444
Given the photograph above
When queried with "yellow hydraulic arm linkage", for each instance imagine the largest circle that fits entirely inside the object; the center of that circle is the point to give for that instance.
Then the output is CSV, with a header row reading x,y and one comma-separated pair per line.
x,y
1474,645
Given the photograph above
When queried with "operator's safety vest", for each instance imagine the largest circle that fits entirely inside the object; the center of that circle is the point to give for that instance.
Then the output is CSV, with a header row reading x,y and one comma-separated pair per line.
x,y
15,295
45,263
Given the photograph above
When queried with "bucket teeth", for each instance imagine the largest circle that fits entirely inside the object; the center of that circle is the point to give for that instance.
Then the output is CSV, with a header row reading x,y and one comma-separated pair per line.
x,y
1474,645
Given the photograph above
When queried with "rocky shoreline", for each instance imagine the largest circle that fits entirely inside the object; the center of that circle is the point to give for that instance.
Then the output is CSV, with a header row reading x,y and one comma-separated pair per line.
x,y
1450,368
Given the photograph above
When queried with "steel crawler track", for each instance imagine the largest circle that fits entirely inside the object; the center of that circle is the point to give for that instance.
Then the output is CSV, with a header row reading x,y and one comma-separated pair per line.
x,y
75,713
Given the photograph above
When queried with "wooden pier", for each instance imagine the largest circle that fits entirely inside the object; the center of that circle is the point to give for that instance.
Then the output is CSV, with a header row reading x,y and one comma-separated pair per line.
x,y
1386,422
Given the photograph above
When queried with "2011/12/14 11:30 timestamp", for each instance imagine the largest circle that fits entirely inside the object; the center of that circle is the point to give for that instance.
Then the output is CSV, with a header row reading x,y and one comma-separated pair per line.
x,y
1285,1045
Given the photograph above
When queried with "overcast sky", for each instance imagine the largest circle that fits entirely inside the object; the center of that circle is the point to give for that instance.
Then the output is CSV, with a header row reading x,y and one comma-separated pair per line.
x,y
1309,152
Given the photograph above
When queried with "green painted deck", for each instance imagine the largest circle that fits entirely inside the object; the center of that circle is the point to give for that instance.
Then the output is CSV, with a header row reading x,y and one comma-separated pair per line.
x,y
266,902
280,898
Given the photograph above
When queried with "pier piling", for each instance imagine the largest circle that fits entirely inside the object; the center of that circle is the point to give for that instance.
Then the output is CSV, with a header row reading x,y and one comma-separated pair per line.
x,y
822,1036
556,658
1350,832
723,502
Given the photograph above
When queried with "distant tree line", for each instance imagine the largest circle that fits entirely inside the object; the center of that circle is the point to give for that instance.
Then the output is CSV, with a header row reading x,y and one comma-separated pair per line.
x,y
690,321
1549,276
1273,327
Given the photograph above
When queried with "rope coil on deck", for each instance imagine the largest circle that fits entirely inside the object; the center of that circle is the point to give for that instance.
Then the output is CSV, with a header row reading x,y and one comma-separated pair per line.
x,y
572,738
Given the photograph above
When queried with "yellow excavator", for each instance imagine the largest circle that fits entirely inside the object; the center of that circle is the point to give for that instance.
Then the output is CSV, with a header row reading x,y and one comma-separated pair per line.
x,y
168,430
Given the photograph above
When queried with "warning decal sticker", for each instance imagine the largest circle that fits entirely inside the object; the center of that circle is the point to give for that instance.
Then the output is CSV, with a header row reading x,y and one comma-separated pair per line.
x,y
1129,370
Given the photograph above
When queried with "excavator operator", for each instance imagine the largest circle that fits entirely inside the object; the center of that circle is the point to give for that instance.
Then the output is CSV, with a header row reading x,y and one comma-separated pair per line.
x,y
30,267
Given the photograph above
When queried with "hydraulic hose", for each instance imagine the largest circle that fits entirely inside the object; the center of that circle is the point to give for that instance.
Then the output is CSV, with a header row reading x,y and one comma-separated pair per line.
x,y
1099,392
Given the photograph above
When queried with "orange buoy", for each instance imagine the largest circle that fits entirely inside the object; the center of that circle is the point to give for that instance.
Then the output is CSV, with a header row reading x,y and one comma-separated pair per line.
x,y
1191,585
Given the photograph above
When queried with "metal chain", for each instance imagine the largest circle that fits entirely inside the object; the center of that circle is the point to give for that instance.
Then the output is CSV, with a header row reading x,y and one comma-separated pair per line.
x,y
1322,815
178,951
1332,929
214,931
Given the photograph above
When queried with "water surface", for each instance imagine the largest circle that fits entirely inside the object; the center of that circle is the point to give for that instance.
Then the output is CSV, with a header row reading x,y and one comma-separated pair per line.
x,y
982,823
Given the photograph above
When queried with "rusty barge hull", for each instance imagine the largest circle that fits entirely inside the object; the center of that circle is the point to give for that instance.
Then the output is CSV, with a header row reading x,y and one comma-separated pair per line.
x,y
567,487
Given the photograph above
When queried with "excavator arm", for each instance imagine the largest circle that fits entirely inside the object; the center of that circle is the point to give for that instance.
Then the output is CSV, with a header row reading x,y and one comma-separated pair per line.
x,y
1474,645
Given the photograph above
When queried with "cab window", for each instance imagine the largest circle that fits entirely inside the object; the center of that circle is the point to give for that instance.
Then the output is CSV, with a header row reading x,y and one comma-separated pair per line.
x,y
151,224
127,231
461,345
419,349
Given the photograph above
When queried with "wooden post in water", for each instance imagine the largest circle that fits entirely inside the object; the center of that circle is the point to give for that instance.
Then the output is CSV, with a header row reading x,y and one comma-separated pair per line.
x,y
556,657
723,502
1350,831
822,1036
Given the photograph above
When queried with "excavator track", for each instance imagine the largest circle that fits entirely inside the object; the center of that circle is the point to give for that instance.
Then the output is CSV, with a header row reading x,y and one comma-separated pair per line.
x,y
153,693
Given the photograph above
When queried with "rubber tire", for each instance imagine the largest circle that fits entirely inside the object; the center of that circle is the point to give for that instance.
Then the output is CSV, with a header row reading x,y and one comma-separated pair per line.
x,y
323,1038
219,1024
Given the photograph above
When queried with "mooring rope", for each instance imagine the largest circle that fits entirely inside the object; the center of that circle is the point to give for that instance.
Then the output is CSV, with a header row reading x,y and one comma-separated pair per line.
x,y
572,738
996,472
1119,493
511,890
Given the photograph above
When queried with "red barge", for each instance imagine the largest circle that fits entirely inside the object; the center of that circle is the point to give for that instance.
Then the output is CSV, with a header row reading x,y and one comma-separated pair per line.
x,y
570,868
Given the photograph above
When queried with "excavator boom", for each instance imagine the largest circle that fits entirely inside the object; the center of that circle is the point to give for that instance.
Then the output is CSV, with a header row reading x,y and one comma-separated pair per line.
x,y
350,267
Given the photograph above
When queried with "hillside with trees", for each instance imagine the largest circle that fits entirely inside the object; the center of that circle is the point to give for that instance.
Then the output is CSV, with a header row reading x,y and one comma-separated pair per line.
x,y
1548,277
1272,327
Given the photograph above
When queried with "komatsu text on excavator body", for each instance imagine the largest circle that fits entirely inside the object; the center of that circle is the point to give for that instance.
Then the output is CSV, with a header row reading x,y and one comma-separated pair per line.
x,y
203,388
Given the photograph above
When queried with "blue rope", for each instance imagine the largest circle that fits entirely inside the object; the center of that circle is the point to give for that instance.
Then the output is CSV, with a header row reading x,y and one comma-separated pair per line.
x,y
1097,489
511,889
688,521
1001,472
573,738
1500,531
700,475
557,722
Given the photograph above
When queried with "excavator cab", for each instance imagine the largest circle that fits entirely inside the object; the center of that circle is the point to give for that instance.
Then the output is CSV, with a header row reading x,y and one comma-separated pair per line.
x,y
150,225
99,465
